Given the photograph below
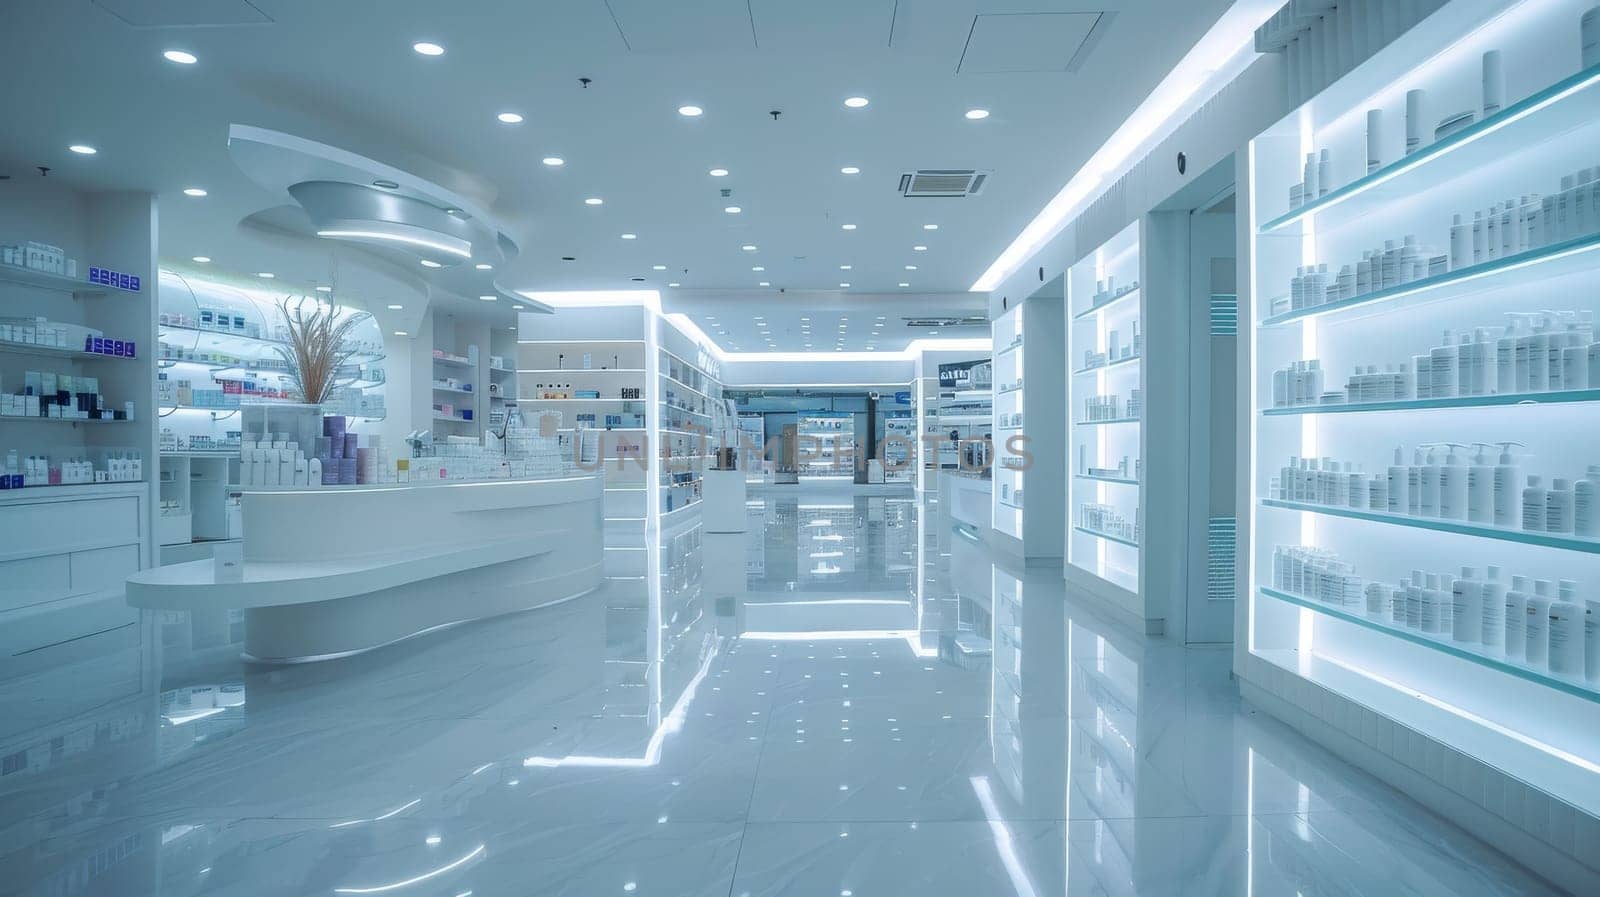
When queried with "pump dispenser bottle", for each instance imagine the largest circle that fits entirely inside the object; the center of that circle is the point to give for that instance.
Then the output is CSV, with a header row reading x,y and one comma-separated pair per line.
x,y
1453,476
1428,480
1492,595
1480,486
1466,609
1507,487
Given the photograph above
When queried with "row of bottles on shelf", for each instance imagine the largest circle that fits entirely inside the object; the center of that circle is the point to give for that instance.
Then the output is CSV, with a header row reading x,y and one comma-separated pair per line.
x,y
1548,629
1110,407
41,332
566,391
1486,492
1557,351
180,392
1120,472
1116,349
1010,496
1106,291
1109,521
1509,229
201,442
1317,175
36,256
114,466
46,394
238,323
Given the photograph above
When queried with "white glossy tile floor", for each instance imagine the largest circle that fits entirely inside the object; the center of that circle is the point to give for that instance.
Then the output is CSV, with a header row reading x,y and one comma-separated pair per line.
x,y
870,709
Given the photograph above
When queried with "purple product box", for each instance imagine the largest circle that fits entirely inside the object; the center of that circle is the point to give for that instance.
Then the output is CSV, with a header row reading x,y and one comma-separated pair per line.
x,y
336,446
347,471
352,443
330,472
333,425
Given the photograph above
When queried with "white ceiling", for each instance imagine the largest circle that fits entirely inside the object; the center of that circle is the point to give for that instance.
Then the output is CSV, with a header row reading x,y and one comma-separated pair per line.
x,y
344,73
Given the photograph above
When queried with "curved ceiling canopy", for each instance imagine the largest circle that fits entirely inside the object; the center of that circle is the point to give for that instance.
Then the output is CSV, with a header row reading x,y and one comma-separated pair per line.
x,y
380,217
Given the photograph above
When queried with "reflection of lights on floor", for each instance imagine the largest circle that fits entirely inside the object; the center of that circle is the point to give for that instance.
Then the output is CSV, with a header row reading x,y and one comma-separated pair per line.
x,y
378,889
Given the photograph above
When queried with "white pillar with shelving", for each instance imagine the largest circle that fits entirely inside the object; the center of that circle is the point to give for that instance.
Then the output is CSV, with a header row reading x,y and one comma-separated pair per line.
x,y
1029,464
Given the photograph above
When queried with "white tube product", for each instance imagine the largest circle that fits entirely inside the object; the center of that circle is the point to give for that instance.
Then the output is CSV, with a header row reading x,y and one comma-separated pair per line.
x,y
1416,124
1374,140
1492,603
1591,641
1589,37
1536,643
1466,609
1516,635
1494,83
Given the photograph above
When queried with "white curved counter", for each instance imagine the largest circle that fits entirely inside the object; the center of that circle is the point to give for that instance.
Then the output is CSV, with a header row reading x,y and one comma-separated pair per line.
x,y
331,572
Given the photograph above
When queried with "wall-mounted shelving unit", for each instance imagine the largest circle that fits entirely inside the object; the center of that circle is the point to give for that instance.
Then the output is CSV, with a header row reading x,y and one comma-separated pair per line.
x,y
828,444
1509,725
1106,305
1029,458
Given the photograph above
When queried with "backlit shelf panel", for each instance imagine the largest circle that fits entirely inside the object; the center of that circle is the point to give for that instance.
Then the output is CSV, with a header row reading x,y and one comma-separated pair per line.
x,y
1459,527
1120,362
1554,397
1110,303
1106,536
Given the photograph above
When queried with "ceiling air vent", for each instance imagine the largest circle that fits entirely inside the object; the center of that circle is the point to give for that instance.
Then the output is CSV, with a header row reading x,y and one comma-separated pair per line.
x,y
947,321
931,182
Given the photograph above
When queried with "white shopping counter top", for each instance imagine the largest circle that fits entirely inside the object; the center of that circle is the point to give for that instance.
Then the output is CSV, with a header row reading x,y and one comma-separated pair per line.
x,y
327,572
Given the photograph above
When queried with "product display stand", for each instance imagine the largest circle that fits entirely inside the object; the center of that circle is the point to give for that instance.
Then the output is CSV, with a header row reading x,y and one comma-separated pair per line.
x,y
1420,580
828,446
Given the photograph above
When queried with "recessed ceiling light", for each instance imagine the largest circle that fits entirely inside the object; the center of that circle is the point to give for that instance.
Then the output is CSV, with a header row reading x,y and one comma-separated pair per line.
x,y
849,169
856,102
484,266
977,114
203,259
324,289
194,191
919,249
733,210
930,227
430,263
488,298
386,185
181,57
847,227
400,333
427,48
748,247
658,267
83,149
844,267
844,286
594,201
911,267
759,268
510,118
554,161
691,111
265,275
674,284
396,307
765,283
719,172
630,236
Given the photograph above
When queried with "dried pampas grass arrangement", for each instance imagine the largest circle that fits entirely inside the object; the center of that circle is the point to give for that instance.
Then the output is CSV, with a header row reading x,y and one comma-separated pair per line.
x,y
315,352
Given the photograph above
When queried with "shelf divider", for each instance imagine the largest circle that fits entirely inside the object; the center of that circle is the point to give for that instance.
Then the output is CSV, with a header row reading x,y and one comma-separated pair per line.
x,y
1553,397
1459,527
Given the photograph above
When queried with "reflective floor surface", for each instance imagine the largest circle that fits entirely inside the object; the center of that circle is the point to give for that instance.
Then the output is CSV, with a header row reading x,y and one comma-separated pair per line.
x,y
868,706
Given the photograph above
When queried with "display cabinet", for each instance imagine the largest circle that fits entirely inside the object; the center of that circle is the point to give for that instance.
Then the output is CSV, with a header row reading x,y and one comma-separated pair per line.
x,y
1423,414
1027,426
827,446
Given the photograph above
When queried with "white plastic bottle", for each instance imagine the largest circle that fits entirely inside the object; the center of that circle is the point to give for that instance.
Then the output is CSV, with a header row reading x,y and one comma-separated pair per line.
x,y
1460,244
314,473
1539,356
1428,480
1480,486
1591,641
1453,476
1585,510
1466,608
1516,633
1537,635
1507,487
1559,507
1414,587
1492,601
1433,599
1414,483
1399,479
1535,501
1443,363
1566,632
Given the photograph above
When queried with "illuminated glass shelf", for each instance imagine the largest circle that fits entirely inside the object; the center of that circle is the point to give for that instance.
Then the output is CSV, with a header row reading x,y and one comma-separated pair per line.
x,y
1554,397
1106,536
20,348
1120,480
1443,645
1557,258
1007,350
45,281
1107,304
1459,527
1107,421
1006,504
1562,117
1131,359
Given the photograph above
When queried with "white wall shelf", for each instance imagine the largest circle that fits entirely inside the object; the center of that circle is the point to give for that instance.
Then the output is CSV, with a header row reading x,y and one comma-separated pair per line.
x,y
44,280
1452,696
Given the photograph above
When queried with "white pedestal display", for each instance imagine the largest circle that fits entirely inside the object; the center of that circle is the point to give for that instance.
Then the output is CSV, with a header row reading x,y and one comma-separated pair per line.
x,y
724,501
